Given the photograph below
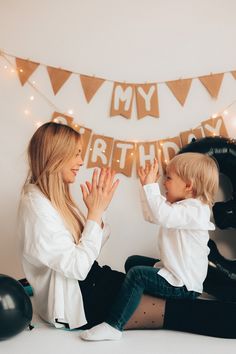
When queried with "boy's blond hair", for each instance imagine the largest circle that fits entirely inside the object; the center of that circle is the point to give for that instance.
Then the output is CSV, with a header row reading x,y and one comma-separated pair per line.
x,y
199,169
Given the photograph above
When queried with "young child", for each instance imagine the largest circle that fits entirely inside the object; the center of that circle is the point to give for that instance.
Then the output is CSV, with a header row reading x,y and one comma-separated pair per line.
x,y
183,217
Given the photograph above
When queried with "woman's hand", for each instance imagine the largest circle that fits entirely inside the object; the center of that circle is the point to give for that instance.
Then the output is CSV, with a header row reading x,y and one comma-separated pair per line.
x,y
150,174
98,194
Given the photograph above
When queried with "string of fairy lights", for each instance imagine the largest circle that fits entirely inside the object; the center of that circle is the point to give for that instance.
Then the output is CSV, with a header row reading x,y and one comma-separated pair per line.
x,y
10,67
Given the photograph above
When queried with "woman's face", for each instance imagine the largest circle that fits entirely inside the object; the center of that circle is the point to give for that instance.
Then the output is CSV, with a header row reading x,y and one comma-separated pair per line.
x,y
73,165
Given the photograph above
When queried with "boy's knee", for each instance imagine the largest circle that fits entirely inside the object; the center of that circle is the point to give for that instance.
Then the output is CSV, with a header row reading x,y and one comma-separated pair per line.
x,y
135,273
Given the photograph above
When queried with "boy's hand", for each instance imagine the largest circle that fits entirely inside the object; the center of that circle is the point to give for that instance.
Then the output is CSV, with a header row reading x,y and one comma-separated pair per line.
x,y
150,174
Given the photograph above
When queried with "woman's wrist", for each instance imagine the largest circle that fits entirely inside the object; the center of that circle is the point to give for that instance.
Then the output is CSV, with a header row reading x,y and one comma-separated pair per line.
x,y
95,216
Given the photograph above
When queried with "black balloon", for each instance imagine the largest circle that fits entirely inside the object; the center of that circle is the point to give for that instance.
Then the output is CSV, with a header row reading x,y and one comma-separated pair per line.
x,y
225,265
223,150
15,307
219,284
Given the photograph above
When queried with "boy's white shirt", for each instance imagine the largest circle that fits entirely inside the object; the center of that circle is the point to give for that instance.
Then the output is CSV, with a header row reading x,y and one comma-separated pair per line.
x,y
52,262
182,237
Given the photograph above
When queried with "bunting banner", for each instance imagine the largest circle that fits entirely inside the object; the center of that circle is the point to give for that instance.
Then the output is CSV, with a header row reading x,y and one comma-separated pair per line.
x,y
147,100
121,155
100,151
122,100
25,69
145,153
187,136
169,148
180,89
90,86
234,74
57,77
123,94
212,83
214,126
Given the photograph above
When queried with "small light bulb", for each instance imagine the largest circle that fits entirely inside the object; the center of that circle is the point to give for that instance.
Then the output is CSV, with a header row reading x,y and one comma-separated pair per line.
x,y
5,67
70,111
31,98
27,112
82,130
38,124
34,82
225,112
55,120
214,115
117,160
21,70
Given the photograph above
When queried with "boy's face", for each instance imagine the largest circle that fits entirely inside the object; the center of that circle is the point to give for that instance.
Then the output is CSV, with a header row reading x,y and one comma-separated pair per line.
x,y
175,187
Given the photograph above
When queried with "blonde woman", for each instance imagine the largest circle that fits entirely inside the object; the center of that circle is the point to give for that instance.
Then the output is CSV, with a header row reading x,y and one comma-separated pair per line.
x,y
60,246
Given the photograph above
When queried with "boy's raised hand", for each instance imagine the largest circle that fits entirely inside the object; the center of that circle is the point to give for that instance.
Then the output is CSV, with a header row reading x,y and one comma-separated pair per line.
x,y
149,174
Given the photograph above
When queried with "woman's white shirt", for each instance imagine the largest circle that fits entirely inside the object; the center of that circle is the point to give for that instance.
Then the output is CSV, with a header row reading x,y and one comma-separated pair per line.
x,y
52,262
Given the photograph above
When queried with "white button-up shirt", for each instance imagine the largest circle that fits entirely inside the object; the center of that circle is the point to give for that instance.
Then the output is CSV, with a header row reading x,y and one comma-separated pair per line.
x,y
182,237
52,262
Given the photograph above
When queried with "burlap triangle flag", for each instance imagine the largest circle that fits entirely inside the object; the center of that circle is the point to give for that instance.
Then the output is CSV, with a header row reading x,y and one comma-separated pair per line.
x,y
57,77
90,85
234,74
25,69
180,89
212,83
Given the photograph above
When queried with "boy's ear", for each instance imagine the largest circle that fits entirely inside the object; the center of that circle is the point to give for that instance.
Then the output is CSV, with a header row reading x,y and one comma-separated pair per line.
x,y
189,186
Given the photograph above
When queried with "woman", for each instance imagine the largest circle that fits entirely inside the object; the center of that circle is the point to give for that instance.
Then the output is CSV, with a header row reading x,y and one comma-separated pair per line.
x,y
60,247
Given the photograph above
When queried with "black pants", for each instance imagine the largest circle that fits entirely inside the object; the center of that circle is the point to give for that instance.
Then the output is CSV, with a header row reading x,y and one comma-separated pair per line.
x,y
208,317
99,290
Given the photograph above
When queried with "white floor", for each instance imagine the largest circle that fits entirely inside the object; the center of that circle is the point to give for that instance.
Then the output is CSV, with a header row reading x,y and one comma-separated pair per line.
x,y
44,339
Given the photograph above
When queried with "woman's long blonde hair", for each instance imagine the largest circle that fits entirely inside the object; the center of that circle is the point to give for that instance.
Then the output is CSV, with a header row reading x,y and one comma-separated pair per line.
x,y
51,146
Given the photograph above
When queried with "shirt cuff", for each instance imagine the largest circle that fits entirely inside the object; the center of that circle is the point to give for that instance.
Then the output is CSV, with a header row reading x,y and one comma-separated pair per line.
x,y
91,230
106,233
152,188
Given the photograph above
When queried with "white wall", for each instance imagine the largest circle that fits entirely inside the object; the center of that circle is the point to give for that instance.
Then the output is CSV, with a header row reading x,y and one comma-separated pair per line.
x,y
125,40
